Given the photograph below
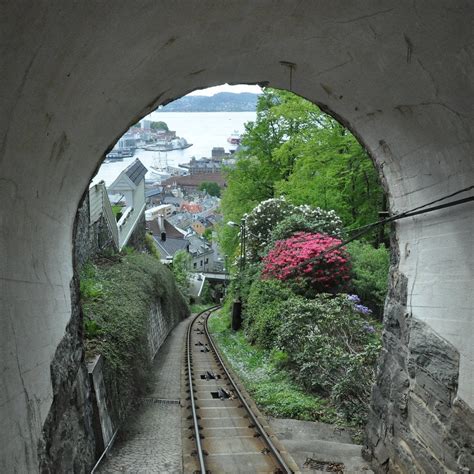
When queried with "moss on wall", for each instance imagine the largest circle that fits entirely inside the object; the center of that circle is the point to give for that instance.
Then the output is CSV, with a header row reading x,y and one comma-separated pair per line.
x,y
117,294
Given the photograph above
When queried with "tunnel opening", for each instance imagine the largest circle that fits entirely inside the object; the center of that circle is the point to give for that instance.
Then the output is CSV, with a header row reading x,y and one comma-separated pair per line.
x,y
400,76
300,123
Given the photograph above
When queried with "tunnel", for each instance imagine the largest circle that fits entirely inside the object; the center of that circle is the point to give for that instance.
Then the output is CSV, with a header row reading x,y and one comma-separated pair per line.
x,y
399,75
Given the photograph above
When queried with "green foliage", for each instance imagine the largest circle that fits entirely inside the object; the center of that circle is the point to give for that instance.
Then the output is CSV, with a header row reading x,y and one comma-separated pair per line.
x,y
151,246
262,312
116,209
335,172
295,150
370,274
260,222
277,219
90,287
307,219
331,350
159,126
116,318
271,388
127,250
208,234
180,268
211,188
206,294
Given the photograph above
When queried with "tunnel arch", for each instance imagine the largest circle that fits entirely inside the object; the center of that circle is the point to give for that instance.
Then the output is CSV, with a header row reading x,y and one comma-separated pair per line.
x,y
75,76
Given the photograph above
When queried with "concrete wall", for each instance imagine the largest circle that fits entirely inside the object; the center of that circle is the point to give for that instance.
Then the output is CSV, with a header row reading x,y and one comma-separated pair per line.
x,y
75,75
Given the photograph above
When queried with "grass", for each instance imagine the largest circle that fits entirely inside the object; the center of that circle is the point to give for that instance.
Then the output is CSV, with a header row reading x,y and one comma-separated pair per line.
x,y
198,307
116,209
117,294
270,386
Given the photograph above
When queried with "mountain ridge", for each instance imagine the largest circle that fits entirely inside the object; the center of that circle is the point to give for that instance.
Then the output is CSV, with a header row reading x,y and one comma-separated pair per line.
x,y
220,102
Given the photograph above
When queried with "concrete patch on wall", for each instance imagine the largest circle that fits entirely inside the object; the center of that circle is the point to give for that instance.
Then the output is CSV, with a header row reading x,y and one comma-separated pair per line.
x,y
416,423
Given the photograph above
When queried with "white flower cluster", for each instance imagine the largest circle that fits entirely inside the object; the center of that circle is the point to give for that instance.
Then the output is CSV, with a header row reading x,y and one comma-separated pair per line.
x,y
261,222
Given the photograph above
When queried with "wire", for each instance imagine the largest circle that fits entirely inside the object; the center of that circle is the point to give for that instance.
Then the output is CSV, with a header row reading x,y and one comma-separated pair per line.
x,y
360,231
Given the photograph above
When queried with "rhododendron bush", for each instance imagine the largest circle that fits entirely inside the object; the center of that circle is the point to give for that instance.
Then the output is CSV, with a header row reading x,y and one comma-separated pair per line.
x,y
302,259
276,219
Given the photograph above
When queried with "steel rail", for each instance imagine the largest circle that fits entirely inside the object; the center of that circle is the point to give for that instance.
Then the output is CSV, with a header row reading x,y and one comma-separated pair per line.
x,y
257,424
202,464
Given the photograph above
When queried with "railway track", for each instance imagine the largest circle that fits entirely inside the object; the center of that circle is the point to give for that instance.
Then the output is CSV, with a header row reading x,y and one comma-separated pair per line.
x,y
226,434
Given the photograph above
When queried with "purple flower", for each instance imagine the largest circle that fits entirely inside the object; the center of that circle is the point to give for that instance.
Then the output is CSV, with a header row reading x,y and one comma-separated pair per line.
x,y
353,298
362,309
368,328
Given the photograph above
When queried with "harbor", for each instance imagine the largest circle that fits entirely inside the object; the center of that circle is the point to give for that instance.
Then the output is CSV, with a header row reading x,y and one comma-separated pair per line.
x,y
205,130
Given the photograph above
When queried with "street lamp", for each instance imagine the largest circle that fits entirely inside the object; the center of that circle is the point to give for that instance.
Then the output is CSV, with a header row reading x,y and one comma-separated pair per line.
x,y
237,303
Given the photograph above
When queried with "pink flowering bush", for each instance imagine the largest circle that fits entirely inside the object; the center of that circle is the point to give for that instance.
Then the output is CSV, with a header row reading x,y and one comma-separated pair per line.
x,y
294,260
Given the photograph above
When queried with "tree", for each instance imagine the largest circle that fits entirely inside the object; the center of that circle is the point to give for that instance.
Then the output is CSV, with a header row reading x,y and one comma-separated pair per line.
x,y
180,269
159,126
335,172
210,188
294,149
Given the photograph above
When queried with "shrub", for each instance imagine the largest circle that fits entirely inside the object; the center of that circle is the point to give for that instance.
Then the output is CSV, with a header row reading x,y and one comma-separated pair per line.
x,y
90,287
290,260
180,269
370,274
116,318
260,222
151,246
276,219
262,313
308,219
332,350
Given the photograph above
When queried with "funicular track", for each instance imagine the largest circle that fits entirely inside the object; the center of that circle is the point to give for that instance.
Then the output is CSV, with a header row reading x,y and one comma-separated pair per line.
x,y
228,435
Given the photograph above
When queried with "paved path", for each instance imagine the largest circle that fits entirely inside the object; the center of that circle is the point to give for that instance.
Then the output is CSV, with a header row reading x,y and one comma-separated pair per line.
x,y
150,441
319,447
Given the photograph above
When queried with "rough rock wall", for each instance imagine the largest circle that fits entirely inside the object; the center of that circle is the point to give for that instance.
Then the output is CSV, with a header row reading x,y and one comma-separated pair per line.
x,y
416,424
68,441
90,239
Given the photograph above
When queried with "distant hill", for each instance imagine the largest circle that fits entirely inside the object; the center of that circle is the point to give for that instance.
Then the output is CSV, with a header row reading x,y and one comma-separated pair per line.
x,y
221,102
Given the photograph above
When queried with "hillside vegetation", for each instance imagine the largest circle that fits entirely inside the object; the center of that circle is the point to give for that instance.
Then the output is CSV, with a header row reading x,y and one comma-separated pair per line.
x,y
311,306
221,102
117,294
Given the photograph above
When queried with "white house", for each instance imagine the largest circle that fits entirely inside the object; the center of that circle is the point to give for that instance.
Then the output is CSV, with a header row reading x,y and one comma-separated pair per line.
x,y
129,188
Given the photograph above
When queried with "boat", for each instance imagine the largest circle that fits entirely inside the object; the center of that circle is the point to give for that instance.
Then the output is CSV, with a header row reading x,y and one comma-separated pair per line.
x,y
234,138
118,154
168,145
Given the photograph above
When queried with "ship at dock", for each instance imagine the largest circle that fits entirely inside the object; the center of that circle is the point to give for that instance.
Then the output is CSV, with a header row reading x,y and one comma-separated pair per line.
x,y
165,144
234,138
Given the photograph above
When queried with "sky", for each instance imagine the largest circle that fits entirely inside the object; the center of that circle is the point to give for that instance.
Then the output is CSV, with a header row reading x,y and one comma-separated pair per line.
x,y
227,88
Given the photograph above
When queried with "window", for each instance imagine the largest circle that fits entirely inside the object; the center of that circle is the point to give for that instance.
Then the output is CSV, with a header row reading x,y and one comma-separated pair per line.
x,y
194,264
201,263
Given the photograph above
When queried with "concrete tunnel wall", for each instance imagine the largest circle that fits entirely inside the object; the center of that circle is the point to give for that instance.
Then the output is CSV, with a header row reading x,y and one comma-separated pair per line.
x,y
75,75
